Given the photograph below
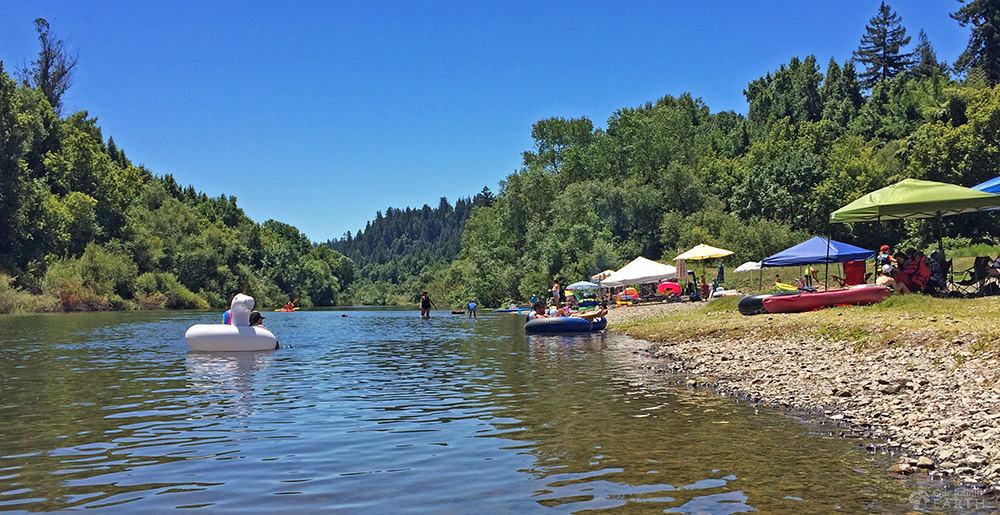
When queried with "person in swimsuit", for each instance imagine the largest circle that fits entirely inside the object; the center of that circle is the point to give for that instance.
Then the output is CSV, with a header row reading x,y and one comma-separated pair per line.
x,y
425,305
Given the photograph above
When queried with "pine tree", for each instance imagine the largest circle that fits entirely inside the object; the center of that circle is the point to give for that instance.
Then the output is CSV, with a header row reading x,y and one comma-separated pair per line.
x,y
983,51
927,64
841,93
880,48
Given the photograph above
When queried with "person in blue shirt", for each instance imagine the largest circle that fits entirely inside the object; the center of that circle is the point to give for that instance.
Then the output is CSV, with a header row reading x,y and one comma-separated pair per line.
x,y
472,309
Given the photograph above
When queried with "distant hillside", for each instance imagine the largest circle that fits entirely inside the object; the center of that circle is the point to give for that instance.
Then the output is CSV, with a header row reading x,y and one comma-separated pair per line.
x,y
397,246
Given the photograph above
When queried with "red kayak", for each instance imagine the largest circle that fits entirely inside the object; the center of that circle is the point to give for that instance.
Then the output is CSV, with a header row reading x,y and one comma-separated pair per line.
x,y
809,301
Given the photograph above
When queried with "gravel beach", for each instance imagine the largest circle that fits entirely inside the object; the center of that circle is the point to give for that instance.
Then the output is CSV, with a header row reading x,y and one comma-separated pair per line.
x,y
937,403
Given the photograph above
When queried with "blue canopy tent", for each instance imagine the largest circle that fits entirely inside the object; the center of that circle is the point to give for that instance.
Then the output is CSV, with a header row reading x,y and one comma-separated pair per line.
x,y
817,250
990,186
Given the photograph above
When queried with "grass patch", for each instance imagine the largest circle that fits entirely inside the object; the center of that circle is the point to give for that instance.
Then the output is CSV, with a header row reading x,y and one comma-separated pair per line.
x,y
900,320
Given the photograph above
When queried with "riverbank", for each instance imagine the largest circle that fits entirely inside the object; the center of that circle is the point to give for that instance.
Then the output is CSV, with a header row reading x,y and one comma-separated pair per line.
x,y
922,373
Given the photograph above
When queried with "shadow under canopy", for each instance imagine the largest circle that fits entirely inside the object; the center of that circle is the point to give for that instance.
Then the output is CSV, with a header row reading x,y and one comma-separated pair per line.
x,y
914,198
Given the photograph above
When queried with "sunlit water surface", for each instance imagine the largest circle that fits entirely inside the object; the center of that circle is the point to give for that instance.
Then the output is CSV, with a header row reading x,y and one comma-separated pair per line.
x,y
383,412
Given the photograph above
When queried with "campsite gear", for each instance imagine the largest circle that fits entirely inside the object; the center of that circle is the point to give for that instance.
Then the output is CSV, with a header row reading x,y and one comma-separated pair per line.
x,y
913,198
601,276
990,186
640,271
582,286
701,252
816,250
754,304
812,300
749,266
854,274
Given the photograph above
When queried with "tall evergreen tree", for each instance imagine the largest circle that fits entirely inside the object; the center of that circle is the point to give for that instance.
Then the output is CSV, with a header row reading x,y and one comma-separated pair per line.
x,y
841,93
881,46
927,64
983,50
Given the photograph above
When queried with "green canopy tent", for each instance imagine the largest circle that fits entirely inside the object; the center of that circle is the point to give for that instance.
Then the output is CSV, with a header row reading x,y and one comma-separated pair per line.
x,y
913,198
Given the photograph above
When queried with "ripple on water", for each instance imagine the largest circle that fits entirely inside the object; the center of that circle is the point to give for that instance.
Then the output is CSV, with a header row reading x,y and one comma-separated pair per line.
x,y
382,411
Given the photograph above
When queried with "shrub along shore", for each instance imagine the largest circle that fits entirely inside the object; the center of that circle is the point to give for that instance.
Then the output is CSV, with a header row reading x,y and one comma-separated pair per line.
x,y
921,372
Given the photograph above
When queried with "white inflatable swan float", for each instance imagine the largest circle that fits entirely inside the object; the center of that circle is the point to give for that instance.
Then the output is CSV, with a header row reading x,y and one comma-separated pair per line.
x,y
239,336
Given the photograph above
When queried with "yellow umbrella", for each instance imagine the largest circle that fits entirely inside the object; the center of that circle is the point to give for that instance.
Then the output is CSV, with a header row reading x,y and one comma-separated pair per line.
x,y
601,276
701,252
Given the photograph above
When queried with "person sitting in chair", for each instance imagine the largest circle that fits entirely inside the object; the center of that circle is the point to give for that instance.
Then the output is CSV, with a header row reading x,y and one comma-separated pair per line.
x,y
994,270
916,274
885,278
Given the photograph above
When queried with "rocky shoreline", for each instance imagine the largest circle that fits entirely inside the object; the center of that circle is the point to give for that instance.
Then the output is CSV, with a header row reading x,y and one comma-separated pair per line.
x,y
936,403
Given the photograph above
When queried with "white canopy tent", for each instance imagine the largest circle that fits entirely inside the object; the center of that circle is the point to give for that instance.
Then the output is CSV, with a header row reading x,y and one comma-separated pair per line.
x,y
640,271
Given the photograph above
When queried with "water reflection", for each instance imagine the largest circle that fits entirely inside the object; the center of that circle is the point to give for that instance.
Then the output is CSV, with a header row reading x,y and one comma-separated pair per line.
x,y
383,411
228,383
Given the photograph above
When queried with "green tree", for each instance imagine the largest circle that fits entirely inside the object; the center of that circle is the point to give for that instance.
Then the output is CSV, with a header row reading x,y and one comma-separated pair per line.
x,y
927,64
983,50
792,92
14,185
841,94
553,136
881,47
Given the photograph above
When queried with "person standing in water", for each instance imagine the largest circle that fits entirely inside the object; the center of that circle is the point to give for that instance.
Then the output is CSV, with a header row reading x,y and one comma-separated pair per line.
x,y
425,305
472,309
555,292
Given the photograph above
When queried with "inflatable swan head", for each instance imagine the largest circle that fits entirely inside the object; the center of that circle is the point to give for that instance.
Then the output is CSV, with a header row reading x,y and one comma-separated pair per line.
x,y
240,308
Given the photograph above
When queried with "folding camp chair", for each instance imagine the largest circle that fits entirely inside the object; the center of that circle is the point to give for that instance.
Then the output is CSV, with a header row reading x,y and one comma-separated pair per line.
x,y
974,279
854,273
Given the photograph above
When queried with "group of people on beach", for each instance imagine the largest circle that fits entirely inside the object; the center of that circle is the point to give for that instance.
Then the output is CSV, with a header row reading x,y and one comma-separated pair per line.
x,y
910,271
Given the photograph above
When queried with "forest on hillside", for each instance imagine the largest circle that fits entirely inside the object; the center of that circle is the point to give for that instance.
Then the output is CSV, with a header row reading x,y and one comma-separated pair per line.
x,y
399,253
87,229
667,175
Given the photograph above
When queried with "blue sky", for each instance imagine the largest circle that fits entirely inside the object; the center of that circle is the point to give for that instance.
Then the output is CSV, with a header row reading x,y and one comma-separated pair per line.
x,y
320,113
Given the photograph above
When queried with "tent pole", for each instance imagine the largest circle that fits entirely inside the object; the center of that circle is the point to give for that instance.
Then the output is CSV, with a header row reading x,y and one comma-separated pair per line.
x,y
826,280
940,245
878,229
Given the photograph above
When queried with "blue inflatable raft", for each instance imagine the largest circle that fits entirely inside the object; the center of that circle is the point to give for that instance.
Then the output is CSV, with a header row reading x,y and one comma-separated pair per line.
x,y
564,325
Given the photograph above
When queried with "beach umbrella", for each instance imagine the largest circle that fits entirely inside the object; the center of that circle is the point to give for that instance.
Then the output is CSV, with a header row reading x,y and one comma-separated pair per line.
x,y
701,252
582,285
749,266
601,276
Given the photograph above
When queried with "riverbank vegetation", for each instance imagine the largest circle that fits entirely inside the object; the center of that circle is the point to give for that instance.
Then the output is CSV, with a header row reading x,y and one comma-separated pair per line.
x,y
86,226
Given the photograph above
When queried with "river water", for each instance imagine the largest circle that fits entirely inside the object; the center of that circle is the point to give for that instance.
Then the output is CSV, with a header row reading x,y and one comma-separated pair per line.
x,y
380,411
